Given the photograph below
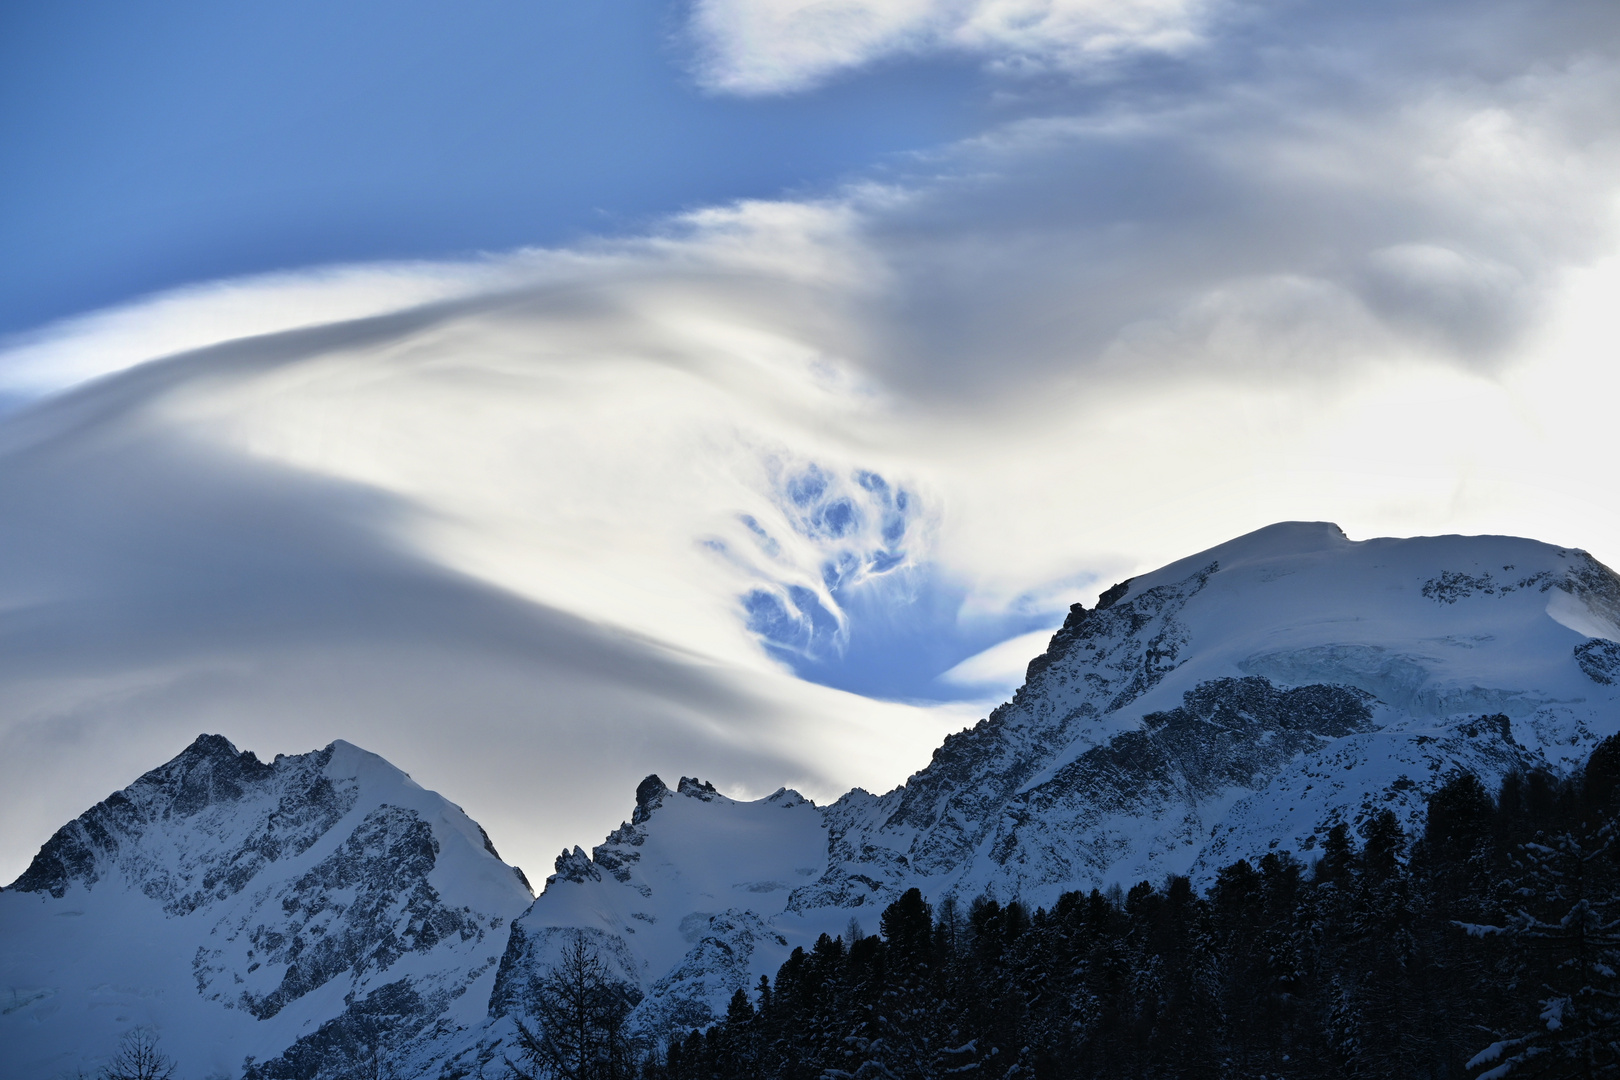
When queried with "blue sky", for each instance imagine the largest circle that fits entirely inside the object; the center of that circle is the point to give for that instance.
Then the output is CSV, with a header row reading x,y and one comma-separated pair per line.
x,y
739,388
154,146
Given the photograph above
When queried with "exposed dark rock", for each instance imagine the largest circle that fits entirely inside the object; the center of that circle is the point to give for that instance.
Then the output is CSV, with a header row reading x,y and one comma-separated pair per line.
x,y
387,909
576,866
649,797
1453,585
359,1042
1113,593
1227,732
1600,659
697,789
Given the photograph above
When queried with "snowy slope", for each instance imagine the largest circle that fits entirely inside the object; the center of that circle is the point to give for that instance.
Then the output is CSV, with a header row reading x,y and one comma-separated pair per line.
x,y
1238,701
680,898
243,909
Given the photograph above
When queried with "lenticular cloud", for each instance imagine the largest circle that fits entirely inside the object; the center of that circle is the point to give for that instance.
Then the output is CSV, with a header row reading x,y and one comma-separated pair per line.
x,y
742,496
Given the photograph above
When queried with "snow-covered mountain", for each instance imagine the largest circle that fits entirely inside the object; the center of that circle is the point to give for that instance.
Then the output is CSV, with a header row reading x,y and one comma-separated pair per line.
x,y
1239,701
681,898
301,913
1246,698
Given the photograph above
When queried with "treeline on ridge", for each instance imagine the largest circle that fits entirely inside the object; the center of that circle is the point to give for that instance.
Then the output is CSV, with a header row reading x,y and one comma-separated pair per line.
x,y
1488,946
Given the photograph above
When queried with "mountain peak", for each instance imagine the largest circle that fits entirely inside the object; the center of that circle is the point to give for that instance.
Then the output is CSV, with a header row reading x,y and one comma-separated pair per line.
x,y
266,902
649,796
1190,717
692,787
212,746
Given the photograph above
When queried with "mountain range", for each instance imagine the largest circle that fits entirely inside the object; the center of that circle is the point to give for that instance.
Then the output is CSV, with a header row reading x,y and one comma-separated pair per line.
x,y
321,915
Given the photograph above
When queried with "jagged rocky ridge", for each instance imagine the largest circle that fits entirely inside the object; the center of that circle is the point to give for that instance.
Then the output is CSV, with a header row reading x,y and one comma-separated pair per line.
x,y
1243,700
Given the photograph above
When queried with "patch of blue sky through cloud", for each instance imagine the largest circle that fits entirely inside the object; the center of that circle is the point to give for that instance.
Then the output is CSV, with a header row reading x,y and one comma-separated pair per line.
x,y
847,596
149,147
903,634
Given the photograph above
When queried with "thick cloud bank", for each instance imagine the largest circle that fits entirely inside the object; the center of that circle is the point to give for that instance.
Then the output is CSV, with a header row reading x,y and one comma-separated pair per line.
x,y
745,496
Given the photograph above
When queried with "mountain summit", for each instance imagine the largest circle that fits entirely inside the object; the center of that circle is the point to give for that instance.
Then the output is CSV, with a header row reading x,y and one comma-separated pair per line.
x,y
1242,700
244,909
1246,699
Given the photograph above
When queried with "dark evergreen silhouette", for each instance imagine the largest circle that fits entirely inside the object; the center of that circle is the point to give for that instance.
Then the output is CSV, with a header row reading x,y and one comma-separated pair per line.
x,y
1488,946
580,1032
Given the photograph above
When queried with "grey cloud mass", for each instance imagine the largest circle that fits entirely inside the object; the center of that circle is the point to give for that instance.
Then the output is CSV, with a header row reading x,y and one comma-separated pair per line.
x,y
1335,185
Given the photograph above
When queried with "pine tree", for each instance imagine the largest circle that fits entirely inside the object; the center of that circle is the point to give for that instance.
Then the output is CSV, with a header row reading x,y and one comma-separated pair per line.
x,y
1358,969
581,1030
1566,938
1455,873
906,1022
1564,934
1380,959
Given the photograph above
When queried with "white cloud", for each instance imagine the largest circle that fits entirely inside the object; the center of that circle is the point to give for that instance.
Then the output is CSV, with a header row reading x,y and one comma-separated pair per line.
x,y
1000,666
784,46
476,542
89,346
780,46
502,538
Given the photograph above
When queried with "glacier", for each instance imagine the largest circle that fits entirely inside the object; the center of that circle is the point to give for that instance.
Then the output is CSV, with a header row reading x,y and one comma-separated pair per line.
x,y
1242,700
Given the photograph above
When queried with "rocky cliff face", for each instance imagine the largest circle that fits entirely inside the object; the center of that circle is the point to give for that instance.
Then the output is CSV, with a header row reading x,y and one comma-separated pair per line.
x,y
307,912
178,832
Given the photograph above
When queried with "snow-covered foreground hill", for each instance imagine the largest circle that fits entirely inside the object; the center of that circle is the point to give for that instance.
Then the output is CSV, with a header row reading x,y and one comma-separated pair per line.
x,y
1242,700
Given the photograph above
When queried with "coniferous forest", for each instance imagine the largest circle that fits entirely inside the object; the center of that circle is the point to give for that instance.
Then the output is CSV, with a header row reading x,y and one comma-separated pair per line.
x,y
1488,946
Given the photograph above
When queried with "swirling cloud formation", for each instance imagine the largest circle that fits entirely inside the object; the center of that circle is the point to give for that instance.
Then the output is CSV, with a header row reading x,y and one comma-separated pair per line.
x,y
744,495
